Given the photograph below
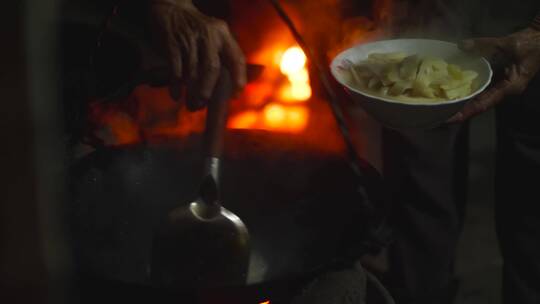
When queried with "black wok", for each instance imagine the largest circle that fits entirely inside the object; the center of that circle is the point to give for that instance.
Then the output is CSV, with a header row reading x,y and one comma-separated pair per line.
x,y
300,204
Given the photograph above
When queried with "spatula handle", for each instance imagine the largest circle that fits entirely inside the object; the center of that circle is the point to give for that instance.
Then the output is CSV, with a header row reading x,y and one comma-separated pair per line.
x,y
216,119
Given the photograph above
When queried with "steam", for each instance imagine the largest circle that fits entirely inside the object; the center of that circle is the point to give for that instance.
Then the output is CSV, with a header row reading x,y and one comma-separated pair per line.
x,y
455,20
334,25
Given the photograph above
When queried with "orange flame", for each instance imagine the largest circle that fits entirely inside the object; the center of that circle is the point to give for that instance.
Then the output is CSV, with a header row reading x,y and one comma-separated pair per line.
x,y
286,111
293,65
274,115
293,61
244,120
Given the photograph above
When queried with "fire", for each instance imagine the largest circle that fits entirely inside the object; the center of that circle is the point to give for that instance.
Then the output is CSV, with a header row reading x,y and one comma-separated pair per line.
x,y
293,61
293,65
147,113
274,115
285,110
277,102
297,118
244,120
280,100
296,92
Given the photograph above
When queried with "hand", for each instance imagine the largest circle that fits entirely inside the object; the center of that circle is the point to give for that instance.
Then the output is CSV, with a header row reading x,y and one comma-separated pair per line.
x,y
196,46
521,52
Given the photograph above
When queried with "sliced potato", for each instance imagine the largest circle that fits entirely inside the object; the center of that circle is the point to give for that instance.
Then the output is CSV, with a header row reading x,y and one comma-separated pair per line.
x,y
357,76
455,71
400,87
420,89
469,75
459,92
453,84
439,64
384,91
440,81
374,83
388,57
409,67
391,75
363,70
467,78
402,76
424,71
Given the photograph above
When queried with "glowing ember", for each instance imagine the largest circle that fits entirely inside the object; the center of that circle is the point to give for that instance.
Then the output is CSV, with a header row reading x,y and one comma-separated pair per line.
x,y
274,115
285,118
297,118
245,120
265,302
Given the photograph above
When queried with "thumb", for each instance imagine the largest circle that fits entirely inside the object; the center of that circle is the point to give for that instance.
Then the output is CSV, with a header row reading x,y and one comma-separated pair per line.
x,y
487,46
467,45
494,49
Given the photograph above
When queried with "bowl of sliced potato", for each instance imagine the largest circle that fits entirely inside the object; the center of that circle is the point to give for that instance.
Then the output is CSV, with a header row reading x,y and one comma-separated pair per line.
x,y
411,83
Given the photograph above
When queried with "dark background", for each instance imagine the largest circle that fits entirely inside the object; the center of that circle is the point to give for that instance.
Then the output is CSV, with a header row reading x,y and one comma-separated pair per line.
x,y
33,264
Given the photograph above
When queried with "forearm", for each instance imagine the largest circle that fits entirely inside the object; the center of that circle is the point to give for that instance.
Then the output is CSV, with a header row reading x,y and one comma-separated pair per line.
x,y
536,22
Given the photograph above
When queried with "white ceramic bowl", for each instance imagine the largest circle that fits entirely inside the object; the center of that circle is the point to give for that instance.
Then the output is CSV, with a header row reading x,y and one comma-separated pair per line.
x,y
401,115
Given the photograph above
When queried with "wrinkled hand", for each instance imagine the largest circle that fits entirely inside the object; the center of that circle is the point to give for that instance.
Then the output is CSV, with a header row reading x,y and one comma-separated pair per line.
x,y
521,55
197,47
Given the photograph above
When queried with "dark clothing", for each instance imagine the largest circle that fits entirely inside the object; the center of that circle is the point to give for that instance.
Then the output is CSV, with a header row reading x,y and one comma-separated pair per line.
x,y
516,201
426,172
427,175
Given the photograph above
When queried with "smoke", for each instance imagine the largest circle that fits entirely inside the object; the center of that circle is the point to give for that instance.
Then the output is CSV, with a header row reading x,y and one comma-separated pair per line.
x,y
328,26
454,20
331,26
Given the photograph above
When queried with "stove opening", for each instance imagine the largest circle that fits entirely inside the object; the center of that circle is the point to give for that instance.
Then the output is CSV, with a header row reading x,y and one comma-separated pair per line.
x,y
285,98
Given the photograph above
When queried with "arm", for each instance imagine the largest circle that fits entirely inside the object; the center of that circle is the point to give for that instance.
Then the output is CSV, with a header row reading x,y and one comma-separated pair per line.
x,y
522,50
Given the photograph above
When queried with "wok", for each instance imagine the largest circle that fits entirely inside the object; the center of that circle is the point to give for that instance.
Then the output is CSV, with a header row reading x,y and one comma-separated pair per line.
x,y
300,204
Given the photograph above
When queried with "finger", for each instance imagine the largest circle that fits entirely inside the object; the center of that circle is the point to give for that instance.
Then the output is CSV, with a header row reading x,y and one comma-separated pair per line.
x,y
234,59
457,118
492,48
210,68
482,102
175,60
529,67
192,55
515,83
168,45
191,50
236,63
202,89
191,70
484,44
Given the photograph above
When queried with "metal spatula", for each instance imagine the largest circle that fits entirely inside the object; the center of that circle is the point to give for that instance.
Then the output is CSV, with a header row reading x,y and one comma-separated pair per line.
x,y
202,244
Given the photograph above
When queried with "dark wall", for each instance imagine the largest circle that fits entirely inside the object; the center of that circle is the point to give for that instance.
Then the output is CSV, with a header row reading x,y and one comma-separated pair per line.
x,y
22,269
31,255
